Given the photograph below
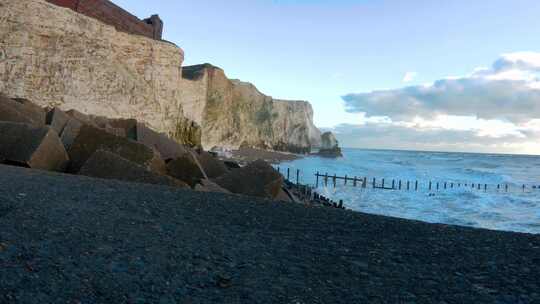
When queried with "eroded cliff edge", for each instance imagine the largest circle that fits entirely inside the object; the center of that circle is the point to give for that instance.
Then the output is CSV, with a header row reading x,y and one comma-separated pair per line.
x,y
57,57
234,113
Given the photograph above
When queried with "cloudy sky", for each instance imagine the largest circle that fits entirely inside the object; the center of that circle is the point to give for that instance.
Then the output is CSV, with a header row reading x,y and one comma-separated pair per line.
x,y
456,75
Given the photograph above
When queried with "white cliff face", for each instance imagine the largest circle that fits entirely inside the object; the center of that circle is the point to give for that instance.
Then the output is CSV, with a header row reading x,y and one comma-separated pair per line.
x,y
57,57
236,113
293,124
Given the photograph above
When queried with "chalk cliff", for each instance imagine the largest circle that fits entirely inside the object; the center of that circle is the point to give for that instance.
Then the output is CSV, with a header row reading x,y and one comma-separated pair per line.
x,y
57,57
233,113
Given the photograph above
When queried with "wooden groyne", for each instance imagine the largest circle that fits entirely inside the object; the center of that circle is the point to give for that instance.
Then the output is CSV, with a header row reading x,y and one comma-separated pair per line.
x,y
415,185
397,184
307,193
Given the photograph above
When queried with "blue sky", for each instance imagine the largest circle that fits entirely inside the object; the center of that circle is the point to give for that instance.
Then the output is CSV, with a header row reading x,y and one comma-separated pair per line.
x,y
323,51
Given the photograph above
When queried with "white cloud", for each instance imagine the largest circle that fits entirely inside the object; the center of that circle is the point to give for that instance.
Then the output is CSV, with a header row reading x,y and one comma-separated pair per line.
x,y
397,136
510,90
409,76
498,107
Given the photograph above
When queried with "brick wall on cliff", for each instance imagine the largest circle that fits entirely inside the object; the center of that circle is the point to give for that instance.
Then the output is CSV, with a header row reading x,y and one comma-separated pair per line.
x,y
111,14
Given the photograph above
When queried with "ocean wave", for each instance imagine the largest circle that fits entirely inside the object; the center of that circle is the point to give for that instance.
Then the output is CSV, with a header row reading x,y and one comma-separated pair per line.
x,y
515,210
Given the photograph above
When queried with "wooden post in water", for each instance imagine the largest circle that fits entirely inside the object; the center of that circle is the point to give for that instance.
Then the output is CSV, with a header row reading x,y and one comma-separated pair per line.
x,y
399,185
288,173
364,183
452,185
374,182
335,177
437,186
298,176
506,187
393,184
278,169
326,179
429,185
345,180
479,186
354,181
485,187
523,188
416,186
444,185
408,185
317,177
383,182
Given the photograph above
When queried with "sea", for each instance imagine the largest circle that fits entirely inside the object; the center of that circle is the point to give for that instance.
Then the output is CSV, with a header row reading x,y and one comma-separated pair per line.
x,y
493,206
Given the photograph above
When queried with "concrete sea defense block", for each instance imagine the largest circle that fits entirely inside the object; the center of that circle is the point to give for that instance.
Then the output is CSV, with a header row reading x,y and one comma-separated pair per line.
x,y
168,148
98,122
104,164
256,179
129,126
212,166
21,110
70,132
186,168
90,139
33,147
57,119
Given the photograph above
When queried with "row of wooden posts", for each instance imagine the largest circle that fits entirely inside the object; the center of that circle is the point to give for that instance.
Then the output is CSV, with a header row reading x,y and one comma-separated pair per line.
x,y
408,185
322,179
307,192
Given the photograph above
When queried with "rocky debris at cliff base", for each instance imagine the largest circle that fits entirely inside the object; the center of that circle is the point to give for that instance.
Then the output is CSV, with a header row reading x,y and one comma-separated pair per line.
x,y
124,149
31,146
107,165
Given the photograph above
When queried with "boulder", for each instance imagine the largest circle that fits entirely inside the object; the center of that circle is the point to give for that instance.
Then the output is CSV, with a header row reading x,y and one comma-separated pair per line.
x,y
168,148
104,164
212,166
90,139
32,146
21,110
186,169
256,179
206,185
57,119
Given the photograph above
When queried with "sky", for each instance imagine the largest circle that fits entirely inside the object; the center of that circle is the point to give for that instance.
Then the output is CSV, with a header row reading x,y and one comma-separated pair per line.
x,y
393,74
